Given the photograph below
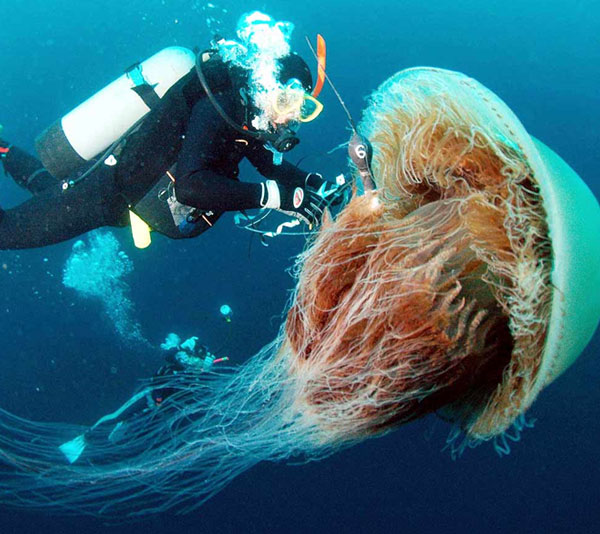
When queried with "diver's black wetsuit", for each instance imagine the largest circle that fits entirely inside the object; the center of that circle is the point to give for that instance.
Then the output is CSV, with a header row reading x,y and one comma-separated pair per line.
x,y
183,128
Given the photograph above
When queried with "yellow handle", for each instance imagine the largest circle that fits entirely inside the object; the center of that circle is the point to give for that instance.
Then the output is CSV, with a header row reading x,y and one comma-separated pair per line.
x,y
140,231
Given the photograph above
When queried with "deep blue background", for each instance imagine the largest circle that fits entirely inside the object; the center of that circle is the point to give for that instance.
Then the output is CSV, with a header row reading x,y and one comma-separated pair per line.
x,y
60,358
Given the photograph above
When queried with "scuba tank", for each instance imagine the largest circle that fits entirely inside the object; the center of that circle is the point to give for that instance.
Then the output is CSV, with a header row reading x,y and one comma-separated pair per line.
x,y
93,126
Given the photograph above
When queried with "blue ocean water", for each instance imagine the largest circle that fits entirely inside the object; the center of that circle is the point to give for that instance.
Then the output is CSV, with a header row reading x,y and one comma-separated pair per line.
x,y
60,357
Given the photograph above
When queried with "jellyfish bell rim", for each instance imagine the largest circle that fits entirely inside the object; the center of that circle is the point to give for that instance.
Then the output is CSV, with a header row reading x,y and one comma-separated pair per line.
x,y
573,216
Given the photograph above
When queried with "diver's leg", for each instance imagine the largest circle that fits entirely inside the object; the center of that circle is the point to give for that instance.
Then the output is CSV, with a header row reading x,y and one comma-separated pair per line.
x,y
26,170
136,404
55,215
109,428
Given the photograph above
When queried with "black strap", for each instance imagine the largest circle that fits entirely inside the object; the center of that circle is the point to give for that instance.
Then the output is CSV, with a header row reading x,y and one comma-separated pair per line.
x,y
147,93
143,89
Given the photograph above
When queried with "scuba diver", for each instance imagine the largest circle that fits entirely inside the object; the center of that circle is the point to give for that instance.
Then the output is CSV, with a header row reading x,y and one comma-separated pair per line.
x,y
188,359
184,122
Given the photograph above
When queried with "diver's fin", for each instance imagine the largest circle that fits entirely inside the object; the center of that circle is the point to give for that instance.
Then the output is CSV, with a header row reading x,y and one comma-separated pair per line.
x,y
73,449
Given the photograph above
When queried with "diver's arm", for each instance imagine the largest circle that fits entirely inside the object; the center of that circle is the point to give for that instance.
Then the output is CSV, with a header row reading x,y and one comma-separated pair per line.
x,y
198,182
207,190
199,185
286,174
291,177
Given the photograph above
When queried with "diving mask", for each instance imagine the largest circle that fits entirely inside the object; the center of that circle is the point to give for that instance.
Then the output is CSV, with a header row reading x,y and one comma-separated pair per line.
x,y
293,103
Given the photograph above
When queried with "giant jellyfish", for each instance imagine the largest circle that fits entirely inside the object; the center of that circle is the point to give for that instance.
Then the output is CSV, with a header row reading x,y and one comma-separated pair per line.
x,y
463,284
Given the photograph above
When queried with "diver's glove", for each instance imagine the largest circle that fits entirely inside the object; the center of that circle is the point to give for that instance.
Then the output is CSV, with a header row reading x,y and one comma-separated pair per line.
x,y
300,202
336,193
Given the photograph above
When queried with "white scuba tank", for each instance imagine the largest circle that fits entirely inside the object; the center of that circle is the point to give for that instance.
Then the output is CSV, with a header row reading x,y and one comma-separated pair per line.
x,y
93,126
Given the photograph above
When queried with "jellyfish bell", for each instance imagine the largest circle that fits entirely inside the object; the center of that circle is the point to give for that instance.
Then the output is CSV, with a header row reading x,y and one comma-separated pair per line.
x,y
468,287
574,226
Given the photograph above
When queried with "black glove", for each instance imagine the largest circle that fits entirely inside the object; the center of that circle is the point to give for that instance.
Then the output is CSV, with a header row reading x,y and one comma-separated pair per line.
x,y
336,193
299,202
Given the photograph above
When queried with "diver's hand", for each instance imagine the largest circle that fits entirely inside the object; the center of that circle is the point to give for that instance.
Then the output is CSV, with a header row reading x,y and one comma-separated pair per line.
x,y
305,205
299,202
334,193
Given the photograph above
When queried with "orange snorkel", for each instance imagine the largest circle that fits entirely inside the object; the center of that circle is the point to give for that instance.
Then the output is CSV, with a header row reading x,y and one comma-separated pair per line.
x,y
359,147
321,63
